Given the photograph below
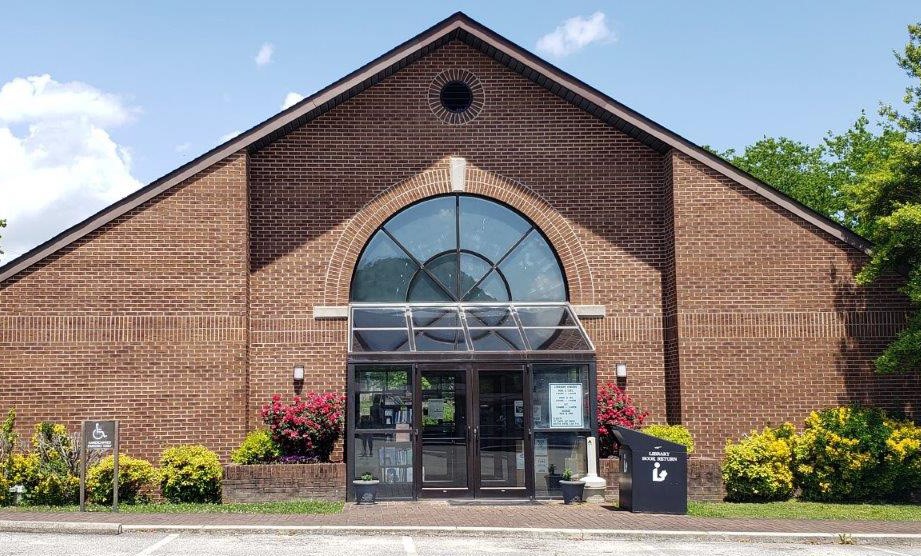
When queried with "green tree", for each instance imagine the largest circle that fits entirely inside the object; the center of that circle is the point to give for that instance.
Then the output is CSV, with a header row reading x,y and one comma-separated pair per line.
x,y
799,170
887,200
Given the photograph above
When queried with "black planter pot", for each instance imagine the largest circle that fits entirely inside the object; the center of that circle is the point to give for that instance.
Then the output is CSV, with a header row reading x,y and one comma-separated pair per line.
x,y
366,491
572,491
553,482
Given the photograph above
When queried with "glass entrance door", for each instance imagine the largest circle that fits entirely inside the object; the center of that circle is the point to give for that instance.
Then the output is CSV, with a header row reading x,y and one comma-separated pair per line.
x,y
444,455
501,462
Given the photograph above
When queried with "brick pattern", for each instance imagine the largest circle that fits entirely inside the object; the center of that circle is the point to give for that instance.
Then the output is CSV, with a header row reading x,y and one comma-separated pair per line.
x,y
143,321
273,483
769,322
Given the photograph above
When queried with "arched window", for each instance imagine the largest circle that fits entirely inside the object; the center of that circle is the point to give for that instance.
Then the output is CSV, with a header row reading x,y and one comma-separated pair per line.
x,y
458,248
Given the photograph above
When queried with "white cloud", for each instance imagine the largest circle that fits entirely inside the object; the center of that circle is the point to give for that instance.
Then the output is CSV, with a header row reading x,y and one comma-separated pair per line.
x,y
228,136
183,147
575,34
265,54
291,99
59,162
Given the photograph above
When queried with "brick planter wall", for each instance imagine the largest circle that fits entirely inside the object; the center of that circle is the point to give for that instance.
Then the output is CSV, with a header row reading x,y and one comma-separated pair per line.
x,y
273,483
705,482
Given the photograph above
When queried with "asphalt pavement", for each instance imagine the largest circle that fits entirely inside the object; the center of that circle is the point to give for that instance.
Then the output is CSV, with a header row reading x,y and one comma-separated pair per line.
x,y
230,544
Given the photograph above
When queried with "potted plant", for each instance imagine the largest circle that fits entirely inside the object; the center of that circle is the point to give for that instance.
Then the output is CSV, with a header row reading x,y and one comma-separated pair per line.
x,y
572,490
366,489
553,479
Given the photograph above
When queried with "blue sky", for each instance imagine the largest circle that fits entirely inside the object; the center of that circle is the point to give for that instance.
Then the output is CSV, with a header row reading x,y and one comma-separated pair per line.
x,y
144,87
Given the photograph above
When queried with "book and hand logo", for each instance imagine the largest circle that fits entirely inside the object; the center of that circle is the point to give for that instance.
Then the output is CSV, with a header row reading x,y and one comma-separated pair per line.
x,y
657,475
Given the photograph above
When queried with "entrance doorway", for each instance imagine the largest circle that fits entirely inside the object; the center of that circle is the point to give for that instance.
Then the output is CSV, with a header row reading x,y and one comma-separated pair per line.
x,y
473,438
474,429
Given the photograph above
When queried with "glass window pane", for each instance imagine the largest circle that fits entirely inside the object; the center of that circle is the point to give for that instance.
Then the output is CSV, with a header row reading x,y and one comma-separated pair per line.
x,y
428,228
378,318
442,318
554,452
551,410
389,457
503,339
533,272
444,268
545,316
489,228
489,316
383,273
440,340
473,268
556,339
493,288
424,290
380,340
383,398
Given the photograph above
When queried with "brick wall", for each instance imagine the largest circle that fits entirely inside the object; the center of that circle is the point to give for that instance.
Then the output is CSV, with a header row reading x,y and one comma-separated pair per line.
x,y
142,321
770,323
272,483
318,193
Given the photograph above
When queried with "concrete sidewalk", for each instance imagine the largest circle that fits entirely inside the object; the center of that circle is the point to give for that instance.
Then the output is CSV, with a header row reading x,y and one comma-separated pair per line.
x,y
444,517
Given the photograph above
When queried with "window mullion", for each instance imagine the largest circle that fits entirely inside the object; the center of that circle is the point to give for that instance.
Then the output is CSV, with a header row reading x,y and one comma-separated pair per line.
x,y
495,267
419,264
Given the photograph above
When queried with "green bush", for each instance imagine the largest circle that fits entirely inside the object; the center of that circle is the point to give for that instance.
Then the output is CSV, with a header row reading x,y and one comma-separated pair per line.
x,y
190,474
257,447
679,434
6,497
839,456
759,467
46,483
136,477
902,462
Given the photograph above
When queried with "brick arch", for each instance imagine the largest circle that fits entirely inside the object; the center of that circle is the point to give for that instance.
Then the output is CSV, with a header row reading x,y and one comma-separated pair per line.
x,y
437,181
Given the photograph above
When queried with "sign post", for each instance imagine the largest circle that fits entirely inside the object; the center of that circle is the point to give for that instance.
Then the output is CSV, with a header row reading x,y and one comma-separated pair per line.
x,y
100,436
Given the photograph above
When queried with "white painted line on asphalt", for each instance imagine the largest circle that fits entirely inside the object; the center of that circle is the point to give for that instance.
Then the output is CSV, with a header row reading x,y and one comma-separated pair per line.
x,y
158,545
409,546
887,551
651,549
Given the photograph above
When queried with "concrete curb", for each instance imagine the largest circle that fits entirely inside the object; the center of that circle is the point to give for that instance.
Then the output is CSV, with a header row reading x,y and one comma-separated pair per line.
x,y
75,527
531,532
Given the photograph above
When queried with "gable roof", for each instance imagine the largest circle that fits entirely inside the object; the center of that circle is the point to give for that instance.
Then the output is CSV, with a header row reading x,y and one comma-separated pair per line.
x,y
456,27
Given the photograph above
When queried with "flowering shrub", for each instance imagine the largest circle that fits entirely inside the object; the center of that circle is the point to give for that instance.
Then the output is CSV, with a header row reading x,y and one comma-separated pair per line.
x,y
615,408
679,434
838,457
902,462
759,467
308,426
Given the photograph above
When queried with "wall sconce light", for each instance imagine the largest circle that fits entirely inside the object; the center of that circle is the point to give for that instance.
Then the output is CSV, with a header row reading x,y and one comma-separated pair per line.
x,y
298,373
621,370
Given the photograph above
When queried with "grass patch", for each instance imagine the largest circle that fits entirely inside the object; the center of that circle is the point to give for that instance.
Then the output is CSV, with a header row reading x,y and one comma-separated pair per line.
x,y
295,507
794,509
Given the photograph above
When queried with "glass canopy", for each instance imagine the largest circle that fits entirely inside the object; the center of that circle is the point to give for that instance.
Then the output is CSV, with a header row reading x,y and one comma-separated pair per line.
x,y
465,327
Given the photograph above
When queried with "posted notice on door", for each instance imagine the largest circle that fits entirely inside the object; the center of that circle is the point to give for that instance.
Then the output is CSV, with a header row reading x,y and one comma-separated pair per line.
x,y
565,406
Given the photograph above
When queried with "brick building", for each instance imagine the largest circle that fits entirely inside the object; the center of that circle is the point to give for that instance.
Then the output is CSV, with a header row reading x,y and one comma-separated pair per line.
x,y
468,240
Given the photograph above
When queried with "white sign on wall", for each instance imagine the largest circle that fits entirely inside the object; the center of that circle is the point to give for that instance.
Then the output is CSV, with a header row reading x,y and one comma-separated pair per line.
x,y
565,406
436,408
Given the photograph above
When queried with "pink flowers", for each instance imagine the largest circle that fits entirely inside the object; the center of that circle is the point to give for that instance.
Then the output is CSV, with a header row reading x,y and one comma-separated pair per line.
x,y
615,408
307,427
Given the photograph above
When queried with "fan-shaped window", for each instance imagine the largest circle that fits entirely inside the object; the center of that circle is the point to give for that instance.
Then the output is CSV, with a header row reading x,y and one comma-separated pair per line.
x,y
458,248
